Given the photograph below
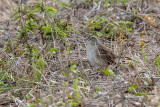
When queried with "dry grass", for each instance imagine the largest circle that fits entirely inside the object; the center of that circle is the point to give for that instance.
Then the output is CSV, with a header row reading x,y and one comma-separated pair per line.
x,y
57,89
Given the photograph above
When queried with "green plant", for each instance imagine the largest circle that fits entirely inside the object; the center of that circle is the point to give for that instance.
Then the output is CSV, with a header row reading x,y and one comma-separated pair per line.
x,y
116,1
108,72
133,88
77,94
74,98
38,65
4,78
39,19
101,26
31,20
73,68
158,63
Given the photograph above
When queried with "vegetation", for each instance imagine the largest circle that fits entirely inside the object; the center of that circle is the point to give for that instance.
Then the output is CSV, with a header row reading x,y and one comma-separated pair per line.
x,y
42,61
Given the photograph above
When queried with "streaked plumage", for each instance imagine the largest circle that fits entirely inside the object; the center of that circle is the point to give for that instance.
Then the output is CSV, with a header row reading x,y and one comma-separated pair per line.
x,y
98,54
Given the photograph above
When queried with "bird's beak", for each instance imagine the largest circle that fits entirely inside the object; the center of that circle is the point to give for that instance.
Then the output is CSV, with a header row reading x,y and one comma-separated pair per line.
x,y
87,38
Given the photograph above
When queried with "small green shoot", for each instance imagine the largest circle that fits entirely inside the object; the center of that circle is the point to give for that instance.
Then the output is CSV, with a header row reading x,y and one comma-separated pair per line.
x,y
64,4
28,96
98,89
53,50
132,88
158,63
65,74
77,94
73,68
69,49
38,65
141,94
39,100
124,1
31,105
108,72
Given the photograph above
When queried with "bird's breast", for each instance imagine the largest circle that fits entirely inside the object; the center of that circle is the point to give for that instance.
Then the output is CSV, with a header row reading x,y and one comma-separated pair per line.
x,y
92,54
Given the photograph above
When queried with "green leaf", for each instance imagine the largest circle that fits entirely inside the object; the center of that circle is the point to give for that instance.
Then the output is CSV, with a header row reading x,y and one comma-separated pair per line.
x,y
132,88
74,104
17,18
1,83
158,63
145,92
65,83
77,94
138,94
41,63
31,105
22,34
75,84
46,30
73,68
28,96
2,63
64,4
53,50
67,75
35,51
124,1
50,99
69,49
141,94
99,34
38,76
37,72
26,78
118,1
50,10
39,100
98,89
60,104
107,1
108,72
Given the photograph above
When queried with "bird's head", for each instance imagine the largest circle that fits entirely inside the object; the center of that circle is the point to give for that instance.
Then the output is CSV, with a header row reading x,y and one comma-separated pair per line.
x,y
92,40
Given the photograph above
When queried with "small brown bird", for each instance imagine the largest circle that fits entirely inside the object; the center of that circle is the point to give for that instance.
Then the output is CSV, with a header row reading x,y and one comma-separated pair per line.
x,y
98,54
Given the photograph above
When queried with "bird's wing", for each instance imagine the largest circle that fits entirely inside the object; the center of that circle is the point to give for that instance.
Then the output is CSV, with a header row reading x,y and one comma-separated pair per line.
x,y
106,54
